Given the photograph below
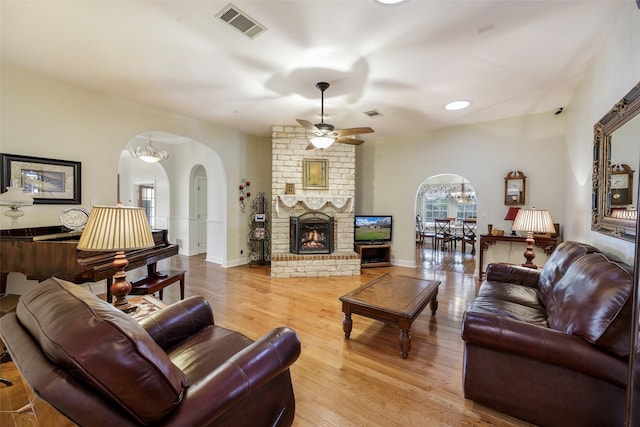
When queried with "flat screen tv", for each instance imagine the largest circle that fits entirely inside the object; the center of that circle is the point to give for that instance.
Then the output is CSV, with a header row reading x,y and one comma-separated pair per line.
x,y
373,228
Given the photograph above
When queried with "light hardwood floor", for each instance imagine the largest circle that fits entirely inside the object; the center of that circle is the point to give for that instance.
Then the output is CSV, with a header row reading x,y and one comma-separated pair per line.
x,y
358,382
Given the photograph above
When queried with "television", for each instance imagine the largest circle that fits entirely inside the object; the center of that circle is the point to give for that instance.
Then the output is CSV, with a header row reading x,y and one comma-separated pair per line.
x,y
372,229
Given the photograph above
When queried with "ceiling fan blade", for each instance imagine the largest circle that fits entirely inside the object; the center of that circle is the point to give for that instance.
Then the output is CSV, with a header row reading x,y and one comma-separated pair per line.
x,y
348,140
310,147
353,131
309,126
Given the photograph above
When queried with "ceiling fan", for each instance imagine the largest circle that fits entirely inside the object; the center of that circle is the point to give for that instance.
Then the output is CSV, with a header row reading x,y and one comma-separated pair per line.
x,y
325,134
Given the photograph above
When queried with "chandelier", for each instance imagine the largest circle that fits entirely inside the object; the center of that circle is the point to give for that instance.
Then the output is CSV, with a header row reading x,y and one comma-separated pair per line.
x,y
463,196
148,153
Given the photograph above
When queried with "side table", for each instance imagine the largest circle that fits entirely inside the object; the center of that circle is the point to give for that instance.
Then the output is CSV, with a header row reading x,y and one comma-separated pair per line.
x,y
157,281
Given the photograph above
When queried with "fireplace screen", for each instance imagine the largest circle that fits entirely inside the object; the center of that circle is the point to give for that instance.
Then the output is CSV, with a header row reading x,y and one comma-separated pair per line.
x,y
311,233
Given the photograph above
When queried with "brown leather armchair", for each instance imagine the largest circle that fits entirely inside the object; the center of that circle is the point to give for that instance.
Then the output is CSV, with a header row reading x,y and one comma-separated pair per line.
x,y
98,366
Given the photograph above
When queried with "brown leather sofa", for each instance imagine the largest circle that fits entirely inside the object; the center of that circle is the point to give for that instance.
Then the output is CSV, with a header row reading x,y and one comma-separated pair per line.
x,y
551,346
98,366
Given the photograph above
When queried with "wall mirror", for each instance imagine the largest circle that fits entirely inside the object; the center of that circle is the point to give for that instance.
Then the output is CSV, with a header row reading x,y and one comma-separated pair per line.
x,y
616,148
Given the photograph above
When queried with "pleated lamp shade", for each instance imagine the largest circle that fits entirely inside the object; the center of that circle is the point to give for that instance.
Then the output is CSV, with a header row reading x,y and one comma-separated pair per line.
x,y
116,228
533,220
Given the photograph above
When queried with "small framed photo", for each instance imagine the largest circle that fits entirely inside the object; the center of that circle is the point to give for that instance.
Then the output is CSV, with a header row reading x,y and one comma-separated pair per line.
x,y
259,217
290,188
315,174
50,181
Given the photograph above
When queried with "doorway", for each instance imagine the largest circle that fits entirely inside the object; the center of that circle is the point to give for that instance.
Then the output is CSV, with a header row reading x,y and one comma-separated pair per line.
x,y
200,186
445,196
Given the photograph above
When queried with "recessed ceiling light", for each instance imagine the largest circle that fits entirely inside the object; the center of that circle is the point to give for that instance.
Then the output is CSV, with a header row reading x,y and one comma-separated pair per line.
x,y
390,1
457,105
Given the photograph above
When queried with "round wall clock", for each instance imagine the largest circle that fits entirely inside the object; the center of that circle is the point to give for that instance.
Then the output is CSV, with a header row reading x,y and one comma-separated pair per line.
x,y
74,218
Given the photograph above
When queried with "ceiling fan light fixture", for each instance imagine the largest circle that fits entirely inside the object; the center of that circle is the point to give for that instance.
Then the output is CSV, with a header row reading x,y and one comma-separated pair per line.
x,y
457,105
322,141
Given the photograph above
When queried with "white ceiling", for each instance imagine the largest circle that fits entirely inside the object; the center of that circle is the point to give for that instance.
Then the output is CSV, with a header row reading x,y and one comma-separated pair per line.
x,y
509,58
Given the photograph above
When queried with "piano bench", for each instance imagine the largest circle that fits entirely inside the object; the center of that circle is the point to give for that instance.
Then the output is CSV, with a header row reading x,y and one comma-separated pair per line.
x,y
157,282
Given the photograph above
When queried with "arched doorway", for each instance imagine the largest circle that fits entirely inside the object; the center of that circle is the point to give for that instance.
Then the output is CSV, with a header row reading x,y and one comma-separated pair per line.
x,y
199,194
448,196
191,192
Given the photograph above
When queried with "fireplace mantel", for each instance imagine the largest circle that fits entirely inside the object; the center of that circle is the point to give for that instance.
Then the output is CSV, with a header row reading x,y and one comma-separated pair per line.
x,y
313,202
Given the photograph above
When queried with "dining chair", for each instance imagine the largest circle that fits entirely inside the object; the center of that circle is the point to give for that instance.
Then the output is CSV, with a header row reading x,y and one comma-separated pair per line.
x,y
469,229
443,236
419,228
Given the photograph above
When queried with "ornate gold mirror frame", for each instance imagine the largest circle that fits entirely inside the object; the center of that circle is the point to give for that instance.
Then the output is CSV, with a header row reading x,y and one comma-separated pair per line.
x,y
601,219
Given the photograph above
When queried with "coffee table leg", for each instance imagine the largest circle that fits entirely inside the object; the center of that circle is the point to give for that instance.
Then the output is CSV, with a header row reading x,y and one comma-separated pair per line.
x,y
405,343
434,304
347,324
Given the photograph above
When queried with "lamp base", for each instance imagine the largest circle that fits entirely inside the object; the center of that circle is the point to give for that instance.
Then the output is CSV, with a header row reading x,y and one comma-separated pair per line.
x,y
120,287
529,255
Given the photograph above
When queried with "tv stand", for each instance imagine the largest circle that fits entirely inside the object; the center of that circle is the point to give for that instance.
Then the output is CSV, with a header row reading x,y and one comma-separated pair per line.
x,y
372,255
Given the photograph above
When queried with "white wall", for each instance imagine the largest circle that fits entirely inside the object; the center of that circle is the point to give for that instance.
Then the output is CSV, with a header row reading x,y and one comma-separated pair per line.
x,y
44,117
390,171
555,152
133,173
611,76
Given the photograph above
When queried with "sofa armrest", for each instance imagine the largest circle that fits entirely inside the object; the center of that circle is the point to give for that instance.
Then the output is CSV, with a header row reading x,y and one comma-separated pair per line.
x,y
236,379
174,323
543,344
515,274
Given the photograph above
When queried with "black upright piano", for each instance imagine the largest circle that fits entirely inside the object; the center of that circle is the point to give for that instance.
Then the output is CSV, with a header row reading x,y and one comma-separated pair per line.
x,y
43,252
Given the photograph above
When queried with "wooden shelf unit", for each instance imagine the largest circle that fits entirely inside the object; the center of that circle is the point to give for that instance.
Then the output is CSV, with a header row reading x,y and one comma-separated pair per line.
x,y
374,255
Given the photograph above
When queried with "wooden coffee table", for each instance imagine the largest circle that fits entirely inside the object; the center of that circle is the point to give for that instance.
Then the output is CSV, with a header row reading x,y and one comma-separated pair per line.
x,y
394,299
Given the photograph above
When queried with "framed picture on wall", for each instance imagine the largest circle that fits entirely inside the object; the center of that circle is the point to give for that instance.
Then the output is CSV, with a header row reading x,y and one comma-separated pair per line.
x,y
50,181
315,174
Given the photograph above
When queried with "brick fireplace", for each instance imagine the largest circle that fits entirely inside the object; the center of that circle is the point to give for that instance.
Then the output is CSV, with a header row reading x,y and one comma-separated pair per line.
x,y
288,152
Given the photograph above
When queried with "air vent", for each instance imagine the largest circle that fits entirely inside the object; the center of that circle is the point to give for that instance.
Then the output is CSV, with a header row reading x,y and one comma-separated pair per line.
x,y
240,21
373,113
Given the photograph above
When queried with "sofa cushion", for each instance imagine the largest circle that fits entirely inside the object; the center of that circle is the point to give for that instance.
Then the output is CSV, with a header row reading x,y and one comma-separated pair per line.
x,y
102,347
509,310
558,263
592,300
511,292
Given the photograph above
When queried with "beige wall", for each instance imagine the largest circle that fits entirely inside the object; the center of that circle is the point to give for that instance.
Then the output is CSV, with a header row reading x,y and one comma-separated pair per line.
x,y
49,118
610,77
555,152
391,170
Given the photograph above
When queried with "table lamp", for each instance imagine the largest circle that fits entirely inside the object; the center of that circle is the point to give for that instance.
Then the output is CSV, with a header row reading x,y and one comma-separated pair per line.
x,y
15,198
625,214
117,228
532,221
510,216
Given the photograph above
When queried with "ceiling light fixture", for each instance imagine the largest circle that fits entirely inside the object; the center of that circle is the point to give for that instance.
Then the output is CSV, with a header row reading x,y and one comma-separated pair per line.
x,y
390,1
457,105
148,153
463,196
322,141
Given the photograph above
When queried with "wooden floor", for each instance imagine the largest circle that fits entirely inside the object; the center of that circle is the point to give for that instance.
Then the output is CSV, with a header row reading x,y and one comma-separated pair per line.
x,y
358,382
